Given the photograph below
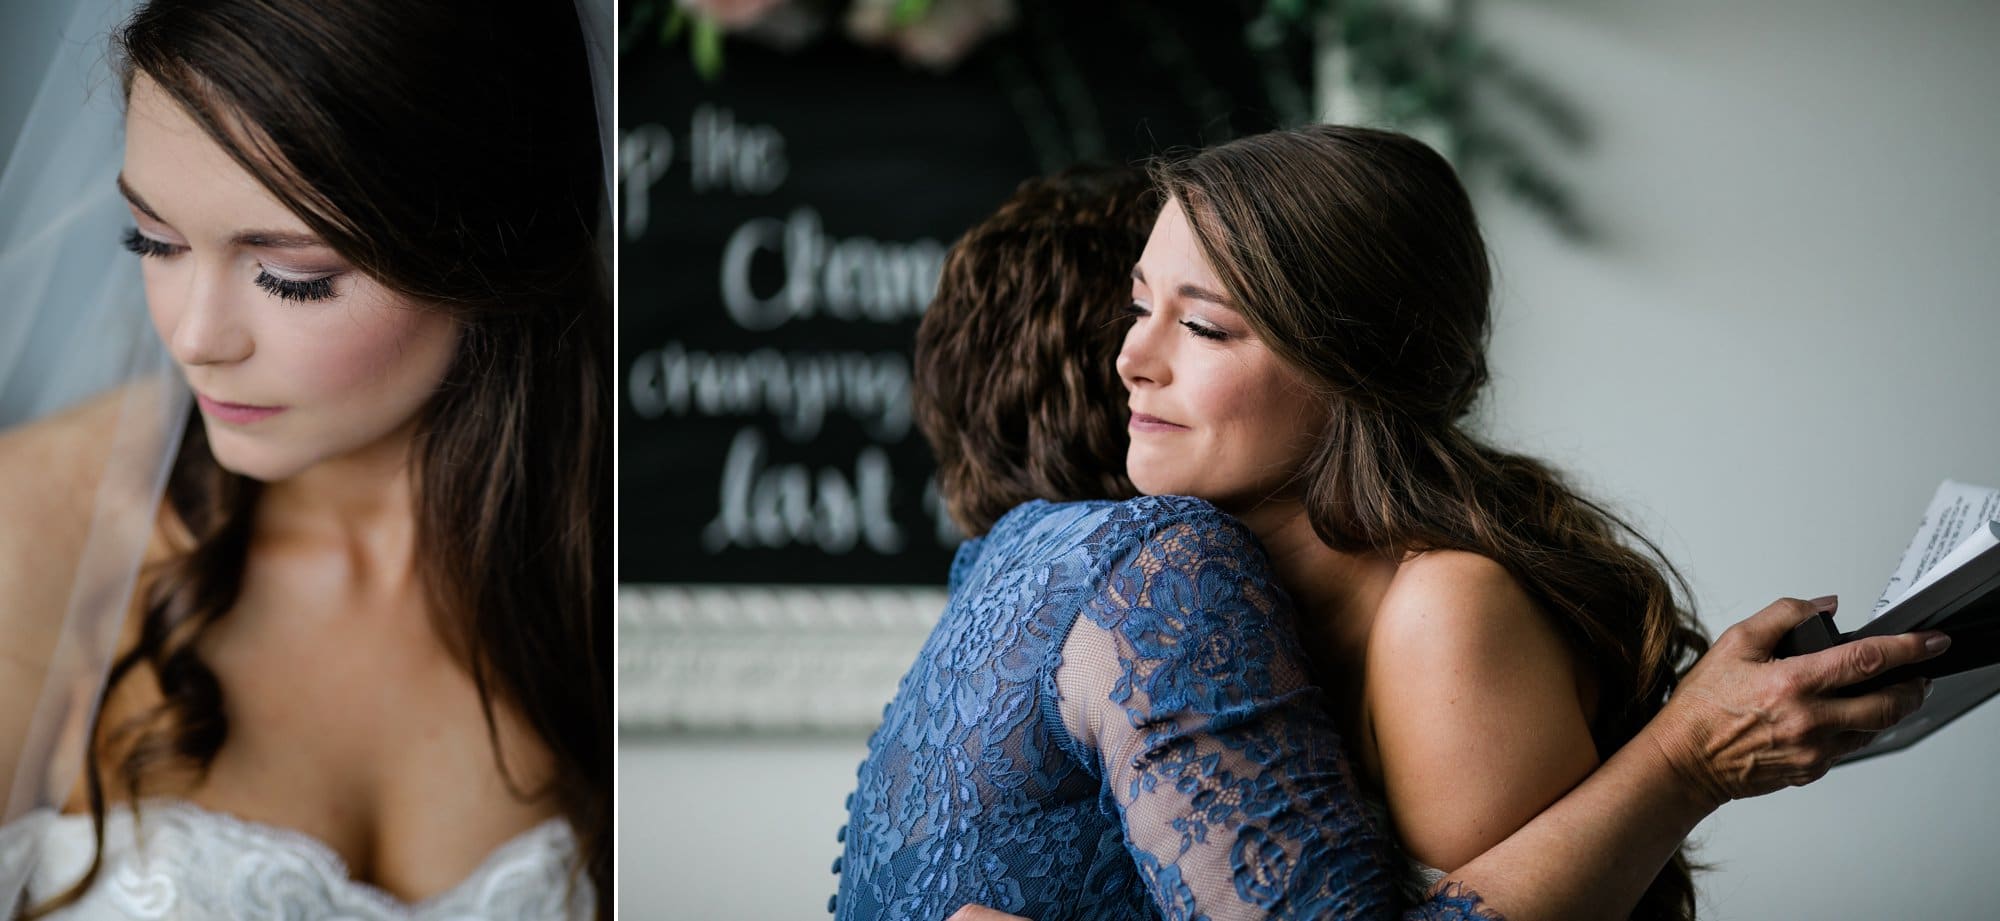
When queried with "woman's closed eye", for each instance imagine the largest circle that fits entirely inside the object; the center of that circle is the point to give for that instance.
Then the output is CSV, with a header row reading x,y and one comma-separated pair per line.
x,y
1195,326
147,247
289,289
1204,330
280,285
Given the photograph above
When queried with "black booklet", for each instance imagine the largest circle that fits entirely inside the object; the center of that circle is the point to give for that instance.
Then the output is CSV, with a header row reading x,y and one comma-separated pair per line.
x,y
1949,580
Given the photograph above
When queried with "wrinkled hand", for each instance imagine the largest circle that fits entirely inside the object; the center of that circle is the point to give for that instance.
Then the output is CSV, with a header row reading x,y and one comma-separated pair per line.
x,y
982,913
1743,724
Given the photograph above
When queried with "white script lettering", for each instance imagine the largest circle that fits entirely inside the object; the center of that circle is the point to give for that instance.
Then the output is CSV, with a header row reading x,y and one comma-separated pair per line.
x,y
745,159
799,388
852,279
777,505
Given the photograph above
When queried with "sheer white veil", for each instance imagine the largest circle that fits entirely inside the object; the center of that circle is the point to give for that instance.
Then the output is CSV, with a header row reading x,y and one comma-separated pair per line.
x,y
74,333
73,328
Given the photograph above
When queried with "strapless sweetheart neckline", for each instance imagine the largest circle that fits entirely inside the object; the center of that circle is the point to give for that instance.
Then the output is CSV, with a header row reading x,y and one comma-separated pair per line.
x,y
179,859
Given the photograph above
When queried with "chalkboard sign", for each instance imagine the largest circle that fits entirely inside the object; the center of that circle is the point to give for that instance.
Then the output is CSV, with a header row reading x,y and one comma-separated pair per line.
x,y
783,230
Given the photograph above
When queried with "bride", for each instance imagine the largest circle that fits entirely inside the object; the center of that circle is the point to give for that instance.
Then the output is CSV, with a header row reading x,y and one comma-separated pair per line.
x,y
364,666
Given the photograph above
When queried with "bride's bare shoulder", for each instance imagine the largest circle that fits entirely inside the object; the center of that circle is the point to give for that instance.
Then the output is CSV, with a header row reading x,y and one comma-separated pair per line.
x,y
52,470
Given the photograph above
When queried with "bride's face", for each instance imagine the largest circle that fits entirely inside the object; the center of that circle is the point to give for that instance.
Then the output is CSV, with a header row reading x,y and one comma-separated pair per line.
x,y
1214,413
295,357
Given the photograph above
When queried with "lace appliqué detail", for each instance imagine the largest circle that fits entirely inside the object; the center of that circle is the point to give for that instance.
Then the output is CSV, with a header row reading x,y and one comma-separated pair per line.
x,y
1452,901
180,861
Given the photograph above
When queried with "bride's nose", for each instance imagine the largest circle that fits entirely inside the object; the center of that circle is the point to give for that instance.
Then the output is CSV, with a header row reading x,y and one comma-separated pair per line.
x,y
1140,359
208,325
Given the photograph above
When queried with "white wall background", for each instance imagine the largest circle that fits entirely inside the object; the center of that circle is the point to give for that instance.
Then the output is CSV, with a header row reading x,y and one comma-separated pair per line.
x,y
1780,347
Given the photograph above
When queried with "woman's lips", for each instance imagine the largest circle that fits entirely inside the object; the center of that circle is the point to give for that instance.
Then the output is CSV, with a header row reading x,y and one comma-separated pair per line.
x,y
236,413
1145,423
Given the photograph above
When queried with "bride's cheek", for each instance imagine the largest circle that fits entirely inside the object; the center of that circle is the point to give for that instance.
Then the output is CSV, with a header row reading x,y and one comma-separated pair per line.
x,y
161,303
392,352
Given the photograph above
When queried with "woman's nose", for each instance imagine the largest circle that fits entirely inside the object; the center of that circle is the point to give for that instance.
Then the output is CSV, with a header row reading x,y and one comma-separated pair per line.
x,y
209,328
1139,359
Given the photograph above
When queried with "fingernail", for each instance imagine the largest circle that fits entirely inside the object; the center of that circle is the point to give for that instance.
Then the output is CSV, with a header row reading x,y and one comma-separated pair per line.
x,y
1928,688
1826,602
1937,642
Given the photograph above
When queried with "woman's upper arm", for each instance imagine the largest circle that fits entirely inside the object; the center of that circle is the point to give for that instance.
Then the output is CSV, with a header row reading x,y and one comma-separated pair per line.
x,y
58,477
48,472
1475,706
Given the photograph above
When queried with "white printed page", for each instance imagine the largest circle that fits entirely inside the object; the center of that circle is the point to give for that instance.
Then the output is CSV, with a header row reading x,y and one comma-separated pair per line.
x,y
1955,513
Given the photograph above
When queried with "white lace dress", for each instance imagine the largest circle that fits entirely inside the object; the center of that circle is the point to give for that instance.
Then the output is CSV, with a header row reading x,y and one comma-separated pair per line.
x,y
180,861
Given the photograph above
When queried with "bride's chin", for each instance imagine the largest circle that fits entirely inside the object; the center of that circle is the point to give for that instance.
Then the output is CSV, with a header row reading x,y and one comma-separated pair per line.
x,y
1150,479
255,464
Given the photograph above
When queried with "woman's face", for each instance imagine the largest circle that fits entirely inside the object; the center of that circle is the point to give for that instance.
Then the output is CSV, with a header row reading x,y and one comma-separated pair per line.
x,y
1214,413
295,357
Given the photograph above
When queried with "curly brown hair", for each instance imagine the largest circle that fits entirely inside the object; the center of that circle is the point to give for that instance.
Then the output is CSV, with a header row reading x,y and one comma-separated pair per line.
x,y
1016,389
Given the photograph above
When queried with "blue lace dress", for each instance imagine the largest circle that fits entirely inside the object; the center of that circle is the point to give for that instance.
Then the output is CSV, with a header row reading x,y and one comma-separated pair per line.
x,y
1113,719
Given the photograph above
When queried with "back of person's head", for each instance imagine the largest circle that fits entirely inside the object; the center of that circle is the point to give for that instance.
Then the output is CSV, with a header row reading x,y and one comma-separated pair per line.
x,y
1016,384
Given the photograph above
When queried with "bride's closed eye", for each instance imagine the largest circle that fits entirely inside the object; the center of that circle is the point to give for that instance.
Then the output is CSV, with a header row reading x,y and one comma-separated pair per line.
x,y
1197,327
282,287
141,245
288,289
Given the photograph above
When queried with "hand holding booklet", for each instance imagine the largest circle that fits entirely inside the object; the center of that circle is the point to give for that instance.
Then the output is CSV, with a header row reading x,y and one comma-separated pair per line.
x,y
1949,580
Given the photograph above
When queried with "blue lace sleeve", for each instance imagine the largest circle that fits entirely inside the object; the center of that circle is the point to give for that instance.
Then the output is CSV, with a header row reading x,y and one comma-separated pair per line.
x,y
1183,684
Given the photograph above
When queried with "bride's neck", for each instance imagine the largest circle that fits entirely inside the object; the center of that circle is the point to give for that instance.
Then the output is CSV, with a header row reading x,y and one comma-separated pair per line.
x,y
362,503
1336,592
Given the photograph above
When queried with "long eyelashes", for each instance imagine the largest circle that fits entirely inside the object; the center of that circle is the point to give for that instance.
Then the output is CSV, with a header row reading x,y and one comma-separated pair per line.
x,y
283,289
1206,332
141,245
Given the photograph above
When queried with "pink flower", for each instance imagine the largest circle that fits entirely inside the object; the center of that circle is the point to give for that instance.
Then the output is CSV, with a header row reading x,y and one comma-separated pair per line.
x,y
938,38
730,14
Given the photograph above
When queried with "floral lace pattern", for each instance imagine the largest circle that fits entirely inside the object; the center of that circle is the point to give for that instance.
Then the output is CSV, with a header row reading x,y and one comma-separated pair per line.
x,y
1113,719
176,860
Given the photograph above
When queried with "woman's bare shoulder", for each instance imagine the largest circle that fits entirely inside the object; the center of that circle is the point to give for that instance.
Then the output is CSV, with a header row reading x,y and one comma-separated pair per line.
x,y
50,467
51,473
1466,673
1458,627
1456,593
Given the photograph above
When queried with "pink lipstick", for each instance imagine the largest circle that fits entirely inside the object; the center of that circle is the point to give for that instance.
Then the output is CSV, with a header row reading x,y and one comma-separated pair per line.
x,y
1145,423
236,413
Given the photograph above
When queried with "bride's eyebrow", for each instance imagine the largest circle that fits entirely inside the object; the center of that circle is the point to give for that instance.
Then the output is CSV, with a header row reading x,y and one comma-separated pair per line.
x,y
1192,292
261,239
137,202
275,239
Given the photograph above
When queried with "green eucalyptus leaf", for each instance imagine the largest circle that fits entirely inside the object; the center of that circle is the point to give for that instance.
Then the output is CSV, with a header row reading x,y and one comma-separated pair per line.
x,y
909,11
705,46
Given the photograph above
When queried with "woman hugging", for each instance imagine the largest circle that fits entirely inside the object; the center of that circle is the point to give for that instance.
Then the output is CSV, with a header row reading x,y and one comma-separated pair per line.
x,y
1340,658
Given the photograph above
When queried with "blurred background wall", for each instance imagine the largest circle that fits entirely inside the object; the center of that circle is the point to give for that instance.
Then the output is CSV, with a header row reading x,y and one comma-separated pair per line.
x,y
1777,344
25,48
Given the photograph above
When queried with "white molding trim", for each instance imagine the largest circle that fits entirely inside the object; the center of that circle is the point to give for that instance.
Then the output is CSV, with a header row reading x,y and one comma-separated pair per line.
x,y
762,658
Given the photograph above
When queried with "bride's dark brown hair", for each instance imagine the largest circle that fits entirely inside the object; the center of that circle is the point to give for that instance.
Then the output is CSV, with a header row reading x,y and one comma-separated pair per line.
x,y
1355,257
448,150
